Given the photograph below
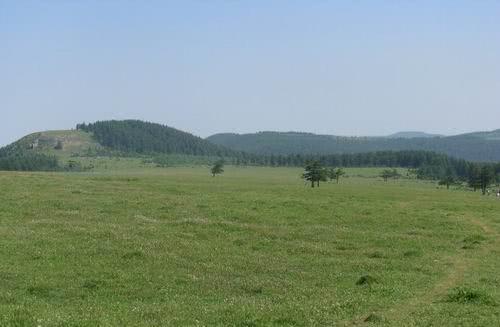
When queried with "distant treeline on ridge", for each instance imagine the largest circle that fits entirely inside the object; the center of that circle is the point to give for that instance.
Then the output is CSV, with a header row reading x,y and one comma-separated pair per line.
x,y
428,165
480,146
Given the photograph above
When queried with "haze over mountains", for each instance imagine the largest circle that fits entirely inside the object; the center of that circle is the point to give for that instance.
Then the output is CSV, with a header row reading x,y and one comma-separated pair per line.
x,y
412,135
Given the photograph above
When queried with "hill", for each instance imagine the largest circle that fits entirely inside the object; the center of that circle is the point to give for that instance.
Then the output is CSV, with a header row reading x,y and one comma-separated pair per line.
x,y
71,149
135,136
44,151
130,137
480,146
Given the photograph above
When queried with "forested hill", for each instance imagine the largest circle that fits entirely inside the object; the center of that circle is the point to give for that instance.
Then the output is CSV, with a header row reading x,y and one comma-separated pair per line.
x,y
62,150
134,136
481,146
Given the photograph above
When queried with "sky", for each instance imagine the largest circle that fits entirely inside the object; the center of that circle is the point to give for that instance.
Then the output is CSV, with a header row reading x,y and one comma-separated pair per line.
x,y
348,67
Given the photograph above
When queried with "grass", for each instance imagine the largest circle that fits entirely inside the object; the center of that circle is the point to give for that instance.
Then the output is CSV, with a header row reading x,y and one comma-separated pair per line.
x,y
254,247
469,296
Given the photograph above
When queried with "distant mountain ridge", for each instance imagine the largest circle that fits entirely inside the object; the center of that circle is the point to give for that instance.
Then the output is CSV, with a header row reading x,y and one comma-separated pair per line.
x,y
412,135
134,137
477,146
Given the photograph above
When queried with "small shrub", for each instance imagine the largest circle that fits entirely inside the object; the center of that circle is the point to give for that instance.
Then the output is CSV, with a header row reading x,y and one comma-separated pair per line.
x,y
92,284
366,280
468,296
39,291
471,241
375,255
238,242
133,255
372,317
253,290
412,253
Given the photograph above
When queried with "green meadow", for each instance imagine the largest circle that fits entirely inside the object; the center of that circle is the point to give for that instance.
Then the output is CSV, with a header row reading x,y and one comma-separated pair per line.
x,y
252,247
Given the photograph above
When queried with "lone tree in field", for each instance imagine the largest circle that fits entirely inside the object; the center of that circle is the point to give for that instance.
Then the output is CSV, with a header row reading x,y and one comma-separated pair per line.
x,y
217,168
481,176
448,179
331,173
473,178
389,173
335,174
486,177
339,172
314,173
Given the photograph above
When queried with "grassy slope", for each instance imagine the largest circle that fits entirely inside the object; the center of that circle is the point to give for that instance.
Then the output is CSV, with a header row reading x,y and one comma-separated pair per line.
x,y
252,247
74,142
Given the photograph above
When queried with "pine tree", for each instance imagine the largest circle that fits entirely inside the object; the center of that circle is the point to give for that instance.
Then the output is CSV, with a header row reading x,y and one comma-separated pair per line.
x,y
314,173
217,168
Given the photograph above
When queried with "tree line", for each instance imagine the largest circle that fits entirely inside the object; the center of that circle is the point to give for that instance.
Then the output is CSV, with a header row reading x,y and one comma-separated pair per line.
x,y
474,147
29,162
16,158
314,173
426,164
478,176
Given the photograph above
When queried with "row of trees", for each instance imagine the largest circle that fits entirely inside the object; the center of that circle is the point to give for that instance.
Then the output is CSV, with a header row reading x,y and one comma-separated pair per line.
x,y
29,162
390,173
431,163
32,161
314,172
447,171
16,158
479,176
426,165
482,176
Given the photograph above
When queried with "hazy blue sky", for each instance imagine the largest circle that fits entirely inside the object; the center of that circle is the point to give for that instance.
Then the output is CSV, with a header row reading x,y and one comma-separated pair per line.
x,y
338,67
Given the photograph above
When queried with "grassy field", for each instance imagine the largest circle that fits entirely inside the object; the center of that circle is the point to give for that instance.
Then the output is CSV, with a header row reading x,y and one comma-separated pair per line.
x,y
254,247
